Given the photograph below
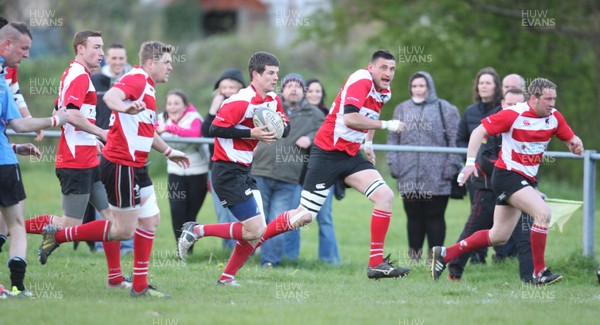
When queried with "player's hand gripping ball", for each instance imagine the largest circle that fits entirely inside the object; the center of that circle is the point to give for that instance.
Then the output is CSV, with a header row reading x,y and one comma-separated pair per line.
x,y
270,118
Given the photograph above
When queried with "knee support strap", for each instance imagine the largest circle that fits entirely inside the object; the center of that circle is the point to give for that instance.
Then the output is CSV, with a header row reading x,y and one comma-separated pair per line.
x,y
150,207
312,202
374,185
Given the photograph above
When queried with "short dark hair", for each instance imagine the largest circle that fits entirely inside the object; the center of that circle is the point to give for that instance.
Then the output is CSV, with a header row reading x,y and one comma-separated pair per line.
x,y
259,60
153,50
116,46
538,85
514,91
383,54
14,30
498,85
81,37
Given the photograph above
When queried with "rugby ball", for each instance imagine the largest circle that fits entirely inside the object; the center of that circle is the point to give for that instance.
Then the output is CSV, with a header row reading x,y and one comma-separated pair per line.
x,y
270,118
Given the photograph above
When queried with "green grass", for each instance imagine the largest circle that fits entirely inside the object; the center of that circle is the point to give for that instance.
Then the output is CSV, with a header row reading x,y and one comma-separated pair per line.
x,y
71,287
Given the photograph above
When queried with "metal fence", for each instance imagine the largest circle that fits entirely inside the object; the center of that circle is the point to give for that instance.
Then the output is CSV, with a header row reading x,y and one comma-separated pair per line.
x,y
589,175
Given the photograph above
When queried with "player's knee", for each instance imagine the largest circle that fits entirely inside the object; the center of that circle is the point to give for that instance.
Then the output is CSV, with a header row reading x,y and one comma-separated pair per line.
x,y
254,232
543,216
383,195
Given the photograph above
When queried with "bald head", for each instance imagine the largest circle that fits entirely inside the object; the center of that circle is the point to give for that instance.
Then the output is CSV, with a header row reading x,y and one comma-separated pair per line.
x,y
512,81
15,41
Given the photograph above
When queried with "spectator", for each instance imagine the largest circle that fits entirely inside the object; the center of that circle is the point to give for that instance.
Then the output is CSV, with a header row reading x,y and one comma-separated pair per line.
x,y
187,186
230,83
277,167
424,178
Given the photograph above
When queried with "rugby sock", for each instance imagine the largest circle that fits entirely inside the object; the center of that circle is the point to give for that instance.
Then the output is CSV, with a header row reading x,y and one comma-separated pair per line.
x,y
17,268
92,231
230,230
380,222
241,252
477,240
142,248
36,225
538,247
112,249
278,226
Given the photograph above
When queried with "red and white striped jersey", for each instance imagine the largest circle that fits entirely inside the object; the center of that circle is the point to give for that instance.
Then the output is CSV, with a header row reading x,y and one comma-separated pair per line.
x,y
76,148
130,136
238,111
13,84
525,137
359,90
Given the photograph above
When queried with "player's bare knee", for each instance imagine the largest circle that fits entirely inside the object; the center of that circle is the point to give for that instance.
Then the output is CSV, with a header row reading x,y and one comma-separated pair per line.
x,y
543,216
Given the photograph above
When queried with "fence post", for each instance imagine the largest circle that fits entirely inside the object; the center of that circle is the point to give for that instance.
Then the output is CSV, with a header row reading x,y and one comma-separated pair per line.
x,y
589,204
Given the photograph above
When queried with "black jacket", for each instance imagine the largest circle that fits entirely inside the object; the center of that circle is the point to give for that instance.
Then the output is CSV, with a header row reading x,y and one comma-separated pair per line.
x,y
471,119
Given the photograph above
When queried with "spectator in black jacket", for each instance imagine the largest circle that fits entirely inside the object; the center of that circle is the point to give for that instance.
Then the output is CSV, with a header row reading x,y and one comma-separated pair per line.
x,y
487,93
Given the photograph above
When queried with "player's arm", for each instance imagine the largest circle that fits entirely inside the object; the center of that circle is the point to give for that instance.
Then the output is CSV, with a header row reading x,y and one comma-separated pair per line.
x,y
575,145
176,156
353,119
369,146
115,100
26,149
82,123
21,125
474,144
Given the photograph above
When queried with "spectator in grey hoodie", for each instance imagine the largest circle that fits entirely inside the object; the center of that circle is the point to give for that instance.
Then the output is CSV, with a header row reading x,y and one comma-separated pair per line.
x,y
424,178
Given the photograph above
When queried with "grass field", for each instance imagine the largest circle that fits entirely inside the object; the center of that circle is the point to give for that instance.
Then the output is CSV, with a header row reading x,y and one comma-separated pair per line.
x,y
71,288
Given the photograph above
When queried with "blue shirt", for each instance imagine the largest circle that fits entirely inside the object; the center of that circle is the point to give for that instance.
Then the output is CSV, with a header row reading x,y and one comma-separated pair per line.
x,y
8,111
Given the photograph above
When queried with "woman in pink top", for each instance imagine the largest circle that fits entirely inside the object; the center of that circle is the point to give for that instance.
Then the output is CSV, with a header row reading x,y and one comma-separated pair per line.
x,y
187,188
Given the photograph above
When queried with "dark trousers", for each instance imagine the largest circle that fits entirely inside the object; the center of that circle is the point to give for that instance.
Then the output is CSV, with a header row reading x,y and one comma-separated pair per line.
x,y
482,217
425,218
186,196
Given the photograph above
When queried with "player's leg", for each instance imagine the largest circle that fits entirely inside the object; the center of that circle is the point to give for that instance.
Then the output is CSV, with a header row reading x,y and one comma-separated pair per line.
x,y
529,201
13,215
367,180
3,231
12,202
